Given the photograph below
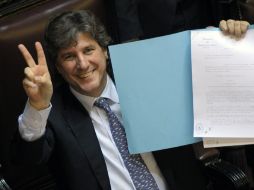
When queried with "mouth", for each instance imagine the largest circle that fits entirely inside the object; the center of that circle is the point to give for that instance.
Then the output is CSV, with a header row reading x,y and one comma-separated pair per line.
x,y
86,74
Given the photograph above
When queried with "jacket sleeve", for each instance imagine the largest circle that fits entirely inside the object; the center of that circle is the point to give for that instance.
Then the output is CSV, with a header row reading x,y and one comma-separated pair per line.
x,y
32,152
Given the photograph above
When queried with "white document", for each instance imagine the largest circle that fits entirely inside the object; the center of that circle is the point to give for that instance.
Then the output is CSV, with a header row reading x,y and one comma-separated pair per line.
x,y
223,85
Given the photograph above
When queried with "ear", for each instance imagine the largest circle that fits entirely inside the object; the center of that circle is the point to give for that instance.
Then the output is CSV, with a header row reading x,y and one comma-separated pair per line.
x,y
58,68
105,53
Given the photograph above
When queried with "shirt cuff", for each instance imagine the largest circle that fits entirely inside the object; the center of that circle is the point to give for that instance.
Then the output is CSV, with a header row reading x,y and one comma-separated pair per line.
x,y
32,123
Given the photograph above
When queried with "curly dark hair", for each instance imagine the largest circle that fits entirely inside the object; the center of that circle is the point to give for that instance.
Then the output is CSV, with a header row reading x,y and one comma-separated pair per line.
x,y
62,30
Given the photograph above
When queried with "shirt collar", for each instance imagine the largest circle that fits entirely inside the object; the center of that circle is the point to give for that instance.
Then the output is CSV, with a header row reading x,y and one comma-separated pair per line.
x,y
109,92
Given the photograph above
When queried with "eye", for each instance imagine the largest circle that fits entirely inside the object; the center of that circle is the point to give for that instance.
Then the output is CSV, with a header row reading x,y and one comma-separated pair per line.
x,y
88,50
68,57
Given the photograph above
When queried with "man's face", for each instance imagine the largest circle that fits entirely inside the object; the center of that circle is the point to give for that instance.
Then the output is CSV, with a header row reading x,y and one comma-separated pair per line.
x,y
83,65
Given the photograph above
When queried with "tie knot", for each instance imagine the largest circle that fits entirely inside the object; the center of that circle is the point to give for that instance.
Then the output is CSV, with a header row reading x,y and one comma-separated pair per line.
x,y
103,104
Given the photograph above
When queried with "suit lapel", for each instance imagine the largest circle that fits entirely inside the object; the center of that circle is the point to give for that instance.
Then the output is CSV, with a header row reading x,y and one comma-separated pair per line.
x,y
83,129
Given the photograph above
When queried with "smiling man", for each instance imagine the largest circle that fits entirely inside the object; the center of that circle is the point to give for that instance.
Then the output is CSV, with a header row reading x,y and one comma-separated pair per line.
x,y
78,129
83,65
68,130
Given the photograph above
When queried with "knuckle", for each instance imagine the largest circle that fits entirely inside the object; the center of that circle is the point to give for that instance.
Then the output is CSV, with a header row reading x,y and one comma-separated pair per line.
x,y
237,23
230,20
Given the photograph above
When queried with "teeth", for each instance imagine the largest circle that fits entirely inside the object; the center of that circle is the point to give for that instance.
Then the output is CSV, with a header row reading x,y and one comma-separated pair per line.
x,y
85,75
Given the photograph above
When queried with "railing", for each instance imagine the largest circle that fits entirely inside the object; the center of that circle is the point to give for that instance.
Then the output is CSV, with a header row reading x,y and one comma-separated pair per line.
x,y
3,184
8,7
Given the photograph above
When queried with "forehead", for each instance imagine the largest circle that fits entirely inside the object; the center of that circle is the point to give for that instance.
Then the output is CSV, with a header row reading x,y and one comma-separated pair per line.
x,y
82,40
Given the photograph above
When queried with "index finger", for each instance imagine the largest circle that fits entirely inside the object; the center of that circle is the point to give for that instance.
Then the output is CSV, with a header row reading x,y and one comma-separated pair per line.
x,y
27,56
40,54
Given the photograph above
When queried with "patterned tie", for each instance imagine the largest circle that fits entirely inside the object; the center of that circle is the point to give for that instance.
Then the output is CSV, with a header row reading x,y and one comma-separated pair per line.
x,y
140,175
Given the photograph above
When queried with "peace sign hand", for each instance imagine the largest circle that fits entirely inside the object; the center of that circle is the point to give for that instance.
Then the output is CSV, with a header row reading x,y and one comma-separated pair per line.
x,y
37,82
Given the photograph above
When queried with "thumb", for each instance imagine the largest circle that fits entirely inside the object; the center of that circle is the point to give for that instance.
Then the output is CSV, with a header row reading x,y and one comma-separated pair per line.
x,y
38,79
43,80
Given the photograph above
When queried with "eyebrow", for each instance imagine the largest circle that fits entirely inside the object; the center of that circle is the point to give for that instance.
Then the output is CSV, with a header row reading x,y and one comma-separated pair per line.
x,y
65,54
70,52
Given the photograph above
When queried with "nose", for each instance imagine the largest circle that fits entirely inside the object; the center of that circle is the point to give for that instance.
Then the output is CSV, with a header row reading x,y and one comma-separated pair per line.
x,y
82,62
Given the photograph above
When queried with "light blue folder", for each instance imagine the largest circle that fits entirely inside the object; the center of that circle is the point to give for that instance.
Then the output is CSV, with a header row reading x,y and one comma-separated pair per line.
x,y
153,79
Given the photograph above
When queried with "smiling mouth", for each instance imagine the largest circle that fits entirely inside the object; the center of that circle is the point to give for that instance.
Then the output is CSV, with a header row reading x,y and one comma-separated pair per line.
x,y
87,74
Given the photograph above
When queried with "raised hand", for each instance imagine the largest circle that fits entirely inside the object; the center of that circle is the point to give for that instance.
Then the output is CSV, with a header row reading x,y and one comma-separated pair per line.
x,y
37,82
234,27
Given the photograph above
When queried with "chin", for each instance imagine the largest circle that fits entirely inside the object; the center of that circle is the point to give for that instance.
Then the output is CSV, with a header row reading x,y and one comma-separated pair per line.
x,y
90,90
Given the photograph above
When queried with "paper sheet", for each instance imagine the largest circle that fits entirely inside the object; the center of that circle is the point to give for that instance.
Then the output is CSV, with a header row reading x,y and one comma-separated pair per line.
x,y
223,84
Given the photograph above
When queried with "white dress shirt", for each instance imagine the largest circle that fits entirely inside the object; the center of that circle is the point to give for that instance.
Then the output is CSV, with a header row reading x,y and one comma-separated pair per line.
x,y
32,125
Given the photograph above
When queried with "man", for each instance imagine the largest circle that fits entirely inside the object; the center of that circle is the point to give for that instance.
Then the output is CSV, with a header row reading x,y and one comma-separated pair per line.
x,y
71,131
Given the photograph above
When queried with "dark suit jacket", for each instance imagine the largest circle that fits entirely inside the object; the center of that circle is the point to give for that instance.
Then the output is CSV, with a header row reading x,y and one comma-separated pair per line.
x,y
72,150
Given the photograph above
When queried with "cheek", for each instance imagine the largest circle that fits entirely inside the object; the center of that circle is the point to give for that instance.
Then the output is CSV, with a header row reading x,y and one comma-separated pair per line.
x,y
68,68
65,71
102,63
102,69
